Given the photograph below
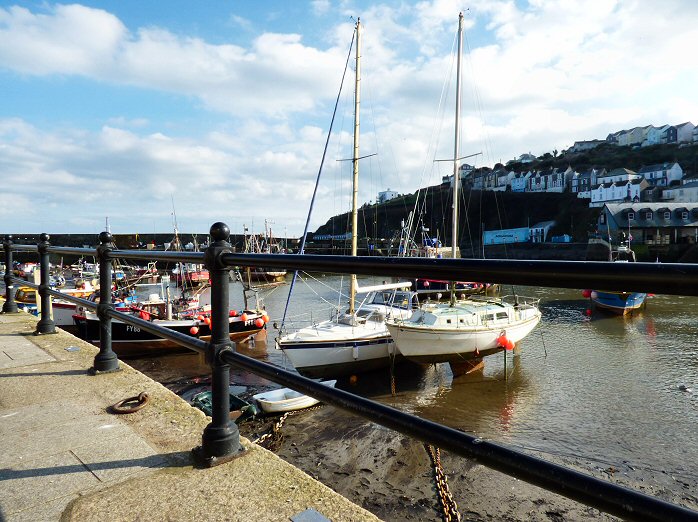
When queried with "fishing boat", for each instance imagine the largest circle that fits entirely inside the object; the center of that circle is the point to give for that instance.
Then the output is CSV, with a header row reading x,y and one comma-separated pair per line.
x,y
463,331
283,400
132,341
262,244
356,339
620,303
62,310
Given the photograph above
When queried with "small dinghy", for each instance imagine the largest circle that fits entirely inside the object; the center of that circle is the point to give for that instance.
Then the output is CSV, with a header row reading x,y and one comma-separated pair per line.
x,y
286,399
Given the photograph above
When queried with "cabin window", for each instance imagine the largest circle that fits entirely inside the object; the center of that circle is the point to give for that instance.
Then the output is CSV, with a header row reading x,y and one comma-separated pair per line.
x,y
488,317
631,216
648,215
602,219
502,315
448,321
667,215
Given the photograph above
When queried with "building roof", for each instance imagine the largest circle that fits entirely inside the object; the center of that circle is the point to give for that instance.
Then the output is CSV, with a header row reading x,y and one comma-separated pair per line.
x,y
656,167
619,212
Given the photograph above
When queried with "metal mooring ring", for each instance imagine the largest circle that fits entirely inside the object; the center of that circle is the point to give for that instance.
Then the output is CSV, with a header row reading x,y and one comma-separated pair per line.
x,y
131,404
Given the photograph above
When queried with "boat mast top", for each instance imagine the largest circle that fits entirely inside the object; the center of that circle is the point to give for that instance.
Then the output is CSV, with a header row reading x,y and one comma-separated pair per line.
x,y
355,165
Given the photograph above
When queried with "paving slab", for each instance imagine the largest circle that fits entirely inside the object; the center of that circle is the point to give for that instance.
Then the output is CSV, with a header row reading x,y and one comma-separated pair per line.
x,y
18,351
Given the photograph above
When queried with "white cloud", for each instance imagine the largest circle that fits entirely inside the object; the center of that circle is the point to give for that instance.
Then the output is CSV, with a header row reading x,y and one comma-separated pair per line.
x,y
538,76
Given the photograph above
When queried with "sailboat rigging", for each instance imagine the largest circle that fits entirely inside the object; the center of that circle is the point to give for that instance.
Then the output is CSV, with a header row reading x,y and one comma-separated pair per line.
x,y
463,331
356,340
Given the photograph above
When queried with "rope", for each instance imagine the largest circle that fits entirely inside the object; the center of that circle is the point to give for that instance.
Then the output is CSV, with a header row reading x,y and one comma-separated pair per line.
x,y
317,181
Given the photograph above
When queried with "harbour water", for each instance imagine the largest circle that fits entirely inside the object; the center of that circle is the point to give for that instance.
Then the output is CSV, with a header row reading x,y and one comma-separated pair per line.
x,y
620,393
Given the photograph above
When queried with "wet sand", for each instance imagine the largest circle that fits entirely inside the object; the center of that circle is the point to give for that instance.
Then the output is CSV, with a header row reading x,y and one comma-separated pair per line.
x,y
391,475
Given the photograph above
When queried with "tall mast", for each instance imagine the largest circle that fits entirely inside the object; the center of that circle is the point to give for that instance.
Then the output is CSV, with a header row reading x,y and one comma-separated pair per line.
x,y
355,165
456,144
456,155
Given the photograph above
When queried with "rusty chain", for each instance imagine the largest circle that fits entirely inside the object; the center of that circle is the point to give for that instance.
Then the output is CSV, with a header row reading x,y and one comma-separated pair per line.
x,y
449,507
275,436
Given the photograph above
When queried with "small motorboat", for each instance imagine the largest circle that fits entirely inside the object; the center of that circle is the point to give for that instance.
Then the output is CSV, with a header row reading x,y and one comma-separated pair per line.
x,y
286,399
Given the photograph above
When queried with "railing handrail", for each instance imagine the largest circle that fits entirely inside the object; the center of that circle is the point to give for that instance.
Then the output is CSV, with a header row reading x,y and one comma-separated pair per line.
x,y
609,497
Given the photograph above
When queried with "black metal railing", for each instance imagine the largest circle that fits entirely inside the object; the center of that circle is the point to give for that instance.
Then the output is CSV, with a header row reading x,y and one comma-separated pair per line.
x,y
220,440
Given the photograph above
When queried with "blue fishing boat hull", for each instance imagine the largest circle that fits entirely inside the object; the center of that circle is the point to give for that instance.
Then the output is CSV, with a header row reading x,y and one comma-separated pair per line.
x,y
618,302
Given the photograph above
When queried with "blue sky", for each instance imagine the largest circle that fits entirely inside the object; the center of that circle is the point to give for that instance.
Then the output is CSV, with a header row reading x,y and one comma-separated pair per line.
x,y
222,108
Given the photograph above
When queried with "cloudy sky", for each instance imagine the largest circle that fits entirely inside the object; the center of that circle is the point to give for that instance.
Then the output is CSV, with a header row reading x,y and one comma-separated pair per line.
x,y
218,111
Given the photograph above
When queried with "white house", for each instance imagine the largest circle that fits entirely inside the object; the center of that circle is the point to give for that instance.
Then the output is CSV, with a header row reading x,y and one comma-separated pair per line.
x,y
581,146
617,192
617,175
684,132
386,195
687,193
662,174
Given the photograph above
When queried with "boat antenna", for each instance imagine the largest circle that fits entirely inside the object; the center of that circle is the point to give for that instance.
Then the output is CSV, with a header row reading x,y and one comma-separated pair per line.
x,y
317,180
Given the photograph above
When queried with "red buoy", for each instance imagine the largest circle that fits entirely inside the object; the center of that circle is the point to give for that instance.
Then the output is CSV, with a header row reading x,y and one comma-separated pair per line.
x,y
259,322
243,317
194,330
586,294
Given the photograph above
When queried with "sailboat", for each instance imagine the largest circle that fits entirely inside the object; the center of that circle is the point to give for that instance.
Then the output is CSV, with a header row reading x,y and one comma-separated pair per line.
x,y
355,340
461,332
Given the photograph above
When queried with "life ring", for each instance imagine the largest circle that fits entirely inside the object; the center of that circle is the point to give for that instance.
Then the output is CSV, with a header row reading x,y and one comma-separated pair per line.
x,y
130,405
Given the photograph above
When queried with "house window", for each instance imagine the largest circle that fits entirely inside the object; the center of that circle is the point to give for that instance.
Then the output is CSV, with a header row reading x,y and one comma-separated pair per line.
x,y
667,215
631,216
648,215
602,219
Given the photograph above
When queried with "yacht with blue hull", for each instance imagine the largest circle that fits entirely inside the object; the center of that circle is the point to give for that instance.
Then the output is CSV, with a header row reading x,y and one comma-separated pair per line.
x,y
619,302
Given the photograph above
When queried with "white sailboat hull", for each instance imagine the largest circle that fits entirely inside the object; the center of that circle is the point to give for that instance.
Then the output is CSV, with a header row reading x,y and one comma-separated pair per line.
x,y
458,342
332,349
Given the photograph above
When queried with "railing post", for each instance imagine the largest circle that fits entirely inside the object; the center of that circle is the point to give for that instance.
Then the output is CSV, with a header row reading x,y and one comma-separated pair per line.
x,y
10,306
46,325
221,438
106,360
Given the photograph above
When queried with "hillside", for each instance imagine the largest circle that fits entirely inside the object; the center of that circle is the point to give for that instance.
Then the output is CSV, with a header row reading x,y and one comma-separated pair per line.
x,y
479,210
613,156
487,210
